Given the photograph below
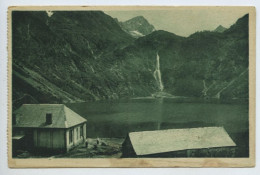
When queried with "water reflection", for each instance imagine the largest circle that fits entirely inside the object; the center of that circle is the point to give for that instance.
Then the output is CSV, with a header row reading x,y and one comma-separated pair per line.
x,y
160,112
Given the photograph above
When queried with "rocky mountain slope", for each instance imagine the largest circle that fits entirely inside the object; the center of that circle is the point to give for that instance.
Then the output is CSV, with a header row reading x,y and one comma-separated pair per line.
x,y
82,56
205,64
65,57
137,26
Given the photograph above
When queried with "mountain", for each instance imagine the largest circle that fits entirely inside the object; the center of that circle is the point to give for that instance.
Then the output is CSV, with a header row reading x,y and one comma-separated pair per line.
x,y
66,57
83,56
205,64
220,29
137,26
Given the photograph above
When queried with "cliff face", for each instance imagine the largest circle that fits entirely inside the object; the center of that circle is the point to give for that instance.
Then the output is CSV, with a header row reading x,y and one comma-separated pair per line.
x,y
80,56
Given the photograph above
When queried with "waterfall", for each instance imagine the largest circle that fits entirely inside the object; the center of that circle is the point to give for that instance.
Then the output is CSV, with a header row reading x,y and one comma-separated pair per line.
x,y
158,79
205,89
157,74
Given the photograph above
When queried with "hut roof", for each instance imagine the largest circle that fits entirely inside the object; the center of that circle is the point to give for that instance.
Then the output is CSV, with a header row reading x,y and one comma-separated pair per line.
x,y
160,141
34,115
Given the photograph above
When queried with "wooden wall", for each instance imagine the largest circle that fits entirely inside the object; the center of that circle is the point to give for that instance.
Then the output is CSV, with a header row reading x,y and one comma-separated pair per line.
x,y
76,136
49,138
56,139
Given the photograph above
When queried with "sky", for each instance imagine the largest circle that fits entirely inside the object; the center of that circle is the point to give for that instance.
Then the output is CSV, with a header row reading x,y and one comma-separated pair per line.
x,y
183,22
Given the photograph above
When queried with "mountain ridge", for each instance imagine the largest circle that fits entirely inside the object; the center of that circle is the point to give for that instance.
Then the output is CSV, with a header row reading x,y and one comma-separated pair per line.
x,y
62,58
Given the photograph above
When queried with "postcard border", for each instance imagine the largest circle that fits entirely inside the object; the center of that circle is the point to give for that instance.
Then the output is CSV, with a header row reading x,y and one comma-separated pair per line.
x,y
137,162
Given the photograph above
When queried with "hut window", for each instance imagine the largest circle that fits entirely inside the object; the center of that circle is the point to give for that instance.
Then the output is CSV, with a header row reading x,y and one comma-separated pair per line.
x,y
81,131
77,133
48,118
70,136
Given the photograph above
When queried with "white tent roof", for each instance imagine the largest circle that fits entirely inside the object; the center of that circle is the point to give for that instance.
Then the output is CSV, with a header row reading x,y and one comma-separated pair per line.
x,y
152,142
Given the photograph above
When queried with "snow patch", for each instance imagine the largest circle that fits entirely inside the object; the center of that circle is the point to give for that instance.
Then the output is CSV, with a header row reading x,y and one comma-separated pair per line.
x,y
136,33
49,13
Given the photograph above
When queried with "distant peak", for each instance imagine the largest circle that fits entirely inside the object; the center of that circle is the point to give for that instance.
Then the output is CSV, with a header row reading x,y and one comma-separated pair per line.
x,y
220,26
220,29
137,26
139,17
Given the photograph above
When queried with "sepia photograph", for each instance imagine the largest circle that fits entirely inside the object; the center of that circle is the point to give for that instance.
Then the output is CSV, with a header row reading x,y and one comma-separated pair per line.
x,y
131,86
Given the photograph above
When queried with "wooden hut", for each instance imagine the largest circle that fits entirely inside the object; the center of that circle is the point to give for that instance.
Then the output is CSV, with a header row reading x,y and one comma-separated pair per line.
x,y
191,142
52,127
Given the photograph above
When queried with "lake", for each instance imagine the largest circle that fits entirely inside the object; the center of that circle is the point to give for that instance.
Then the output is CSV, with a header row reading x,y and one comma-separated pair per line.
x,y
117,118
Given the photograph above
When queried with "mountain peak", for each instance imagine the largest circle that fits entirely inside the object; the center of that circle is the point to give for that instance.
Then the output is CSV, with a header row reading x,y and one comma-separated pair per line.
x,y
220,29
141,18
137,26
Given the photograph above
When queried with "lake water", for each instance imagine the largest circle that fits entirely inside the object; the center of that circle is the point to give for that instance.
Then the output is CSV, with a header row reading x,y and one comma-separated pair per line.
x,y
117,118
